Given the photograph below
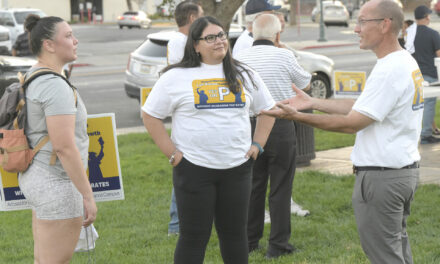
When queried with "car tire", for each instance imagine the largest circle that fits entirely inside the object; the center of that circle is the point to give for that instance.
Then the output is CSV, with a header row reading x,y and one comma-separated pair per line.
x,y
129,27
320,86
346,24
120,27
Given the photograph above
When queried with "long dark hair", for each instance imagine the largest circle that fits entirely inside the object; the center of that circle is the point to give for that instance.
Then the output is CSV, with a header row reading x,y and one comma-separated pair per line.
x,y
232,68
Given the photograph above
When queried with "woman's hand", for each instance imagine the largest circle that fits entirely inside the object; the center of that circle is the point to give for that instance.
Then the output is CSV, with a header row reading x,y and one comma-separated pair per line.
x,y
177,158
253,152
90,211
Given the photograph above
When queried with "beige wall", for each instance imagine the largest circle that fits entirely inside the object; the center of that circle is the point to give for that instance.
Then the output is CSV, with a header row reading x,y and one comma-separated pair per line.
x,y
60,8
114,8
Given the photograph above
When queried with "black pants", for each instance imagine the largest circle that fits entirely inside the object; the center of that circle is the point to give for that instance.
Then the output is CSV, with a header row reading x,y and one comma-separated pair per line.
x,y
205,195
277,163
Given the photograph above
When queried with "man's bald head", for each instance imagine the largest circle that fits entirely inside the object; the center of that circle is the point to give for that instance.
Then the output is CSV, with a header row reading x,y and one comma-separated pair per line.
x,y
388,9
266,26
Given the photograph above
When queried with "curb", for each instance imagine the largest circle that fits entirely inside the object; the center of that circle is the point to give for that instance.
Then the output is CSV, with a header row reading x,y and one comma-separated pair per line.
x,y
329,46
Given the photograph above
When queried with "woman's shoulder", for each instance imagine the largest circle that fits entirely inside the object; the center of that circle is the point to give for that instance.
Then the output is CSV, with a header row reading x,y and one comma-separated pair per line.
x,y
47,85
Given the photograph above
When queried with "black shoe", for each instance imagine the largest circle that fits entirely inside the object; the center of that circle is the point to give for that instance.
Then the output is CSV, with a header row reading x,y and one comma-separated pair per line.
x,y
273,252
429,140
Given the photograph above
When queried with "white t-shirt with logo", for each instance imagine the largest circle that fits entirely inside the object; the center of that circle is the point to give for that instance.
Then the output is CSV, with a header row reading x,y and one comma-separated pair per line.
x,y
393,97
210,124
176,48
243,42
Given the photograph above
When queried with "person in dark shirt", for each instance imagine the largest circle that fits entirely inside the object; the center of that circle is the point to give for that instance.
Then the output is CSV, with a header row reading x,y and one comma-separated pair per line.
x,y
21,46
427,48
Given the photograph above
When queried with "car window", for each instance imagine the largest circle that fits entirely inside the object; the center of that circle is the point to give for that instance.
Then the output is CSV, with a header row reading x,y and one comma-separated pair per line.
x,y
5,18
20,16
335,8
153,48
130,14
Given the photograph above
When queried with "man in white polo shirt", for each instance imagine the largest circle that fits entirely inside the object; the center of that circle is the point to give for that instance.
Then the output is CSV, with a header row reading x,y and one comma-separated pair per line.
x,y
279,69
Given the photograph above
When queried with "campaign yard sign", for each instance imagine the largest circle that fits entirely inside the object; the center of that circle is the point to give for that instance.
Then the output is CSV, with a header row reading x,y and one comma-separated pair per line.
x,y
145,91
104,169
11,196
349,84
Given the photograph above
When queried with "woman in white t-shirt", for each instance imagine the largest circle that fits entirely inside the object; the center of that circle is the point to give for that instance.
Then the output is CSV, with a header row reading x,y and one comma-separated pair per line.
x,y
209,96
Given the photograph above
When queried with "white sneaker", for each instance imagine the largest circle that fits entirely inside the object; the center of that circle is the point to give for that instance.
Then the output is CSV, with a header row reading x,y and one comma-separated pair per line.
x,y
266,217
297,209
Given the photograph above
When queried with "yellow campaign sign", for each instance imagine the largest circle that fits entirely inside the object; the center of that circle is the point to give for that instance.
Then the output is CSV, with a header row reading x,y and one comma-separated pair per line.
x,y
9,179
103,164
104,169
145,91
11,196
349,84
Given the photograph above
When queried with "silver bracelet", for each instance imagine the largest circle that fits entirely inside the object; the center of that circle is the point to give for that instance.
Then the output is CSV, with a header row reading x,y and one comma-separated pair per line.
x,y
171,160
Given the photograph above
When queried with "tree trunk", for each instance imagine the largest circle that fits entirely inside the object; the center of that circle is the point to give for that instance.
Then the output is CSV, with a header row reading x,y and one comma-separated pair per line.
x,y
224,10
129,6
293,12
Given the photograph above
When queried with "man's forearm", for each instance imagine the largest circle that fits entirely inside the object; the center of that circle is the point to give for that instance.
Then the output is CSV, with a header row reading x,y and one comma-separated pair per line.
x,y
333,106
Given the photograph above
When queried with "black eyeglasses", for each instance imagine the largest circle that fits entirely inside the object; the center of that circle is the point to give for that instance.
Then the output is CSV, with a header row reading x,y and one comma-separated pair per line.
x,y
212,38
361,22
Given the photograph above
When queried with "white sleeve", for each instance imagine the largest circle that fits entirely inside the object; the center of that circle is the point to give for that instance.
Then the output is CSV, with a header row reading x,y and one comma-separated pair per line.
x,y
298,75
262,100
174,52
159,103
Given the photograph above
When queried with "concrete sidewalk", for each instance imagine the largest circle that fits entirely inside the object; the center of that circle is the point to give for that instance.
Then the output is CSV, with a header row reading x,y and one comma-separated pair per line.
x,y
337,162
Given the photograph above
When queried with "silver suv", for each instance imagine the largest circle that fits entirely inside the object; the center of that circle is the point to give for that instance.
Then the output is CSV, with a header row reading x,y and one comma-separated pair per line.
x,y
145,63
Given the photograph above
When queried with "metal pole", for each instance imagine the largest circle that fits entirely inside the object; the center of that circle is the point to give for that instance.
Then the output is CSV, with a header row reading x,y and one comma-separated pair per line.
x,y
321,24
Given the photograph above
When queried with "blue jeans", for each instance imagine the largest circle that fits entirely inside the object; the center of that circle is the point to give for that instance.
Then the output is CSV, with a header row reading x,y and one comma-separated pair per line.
x,y
173,226
428,111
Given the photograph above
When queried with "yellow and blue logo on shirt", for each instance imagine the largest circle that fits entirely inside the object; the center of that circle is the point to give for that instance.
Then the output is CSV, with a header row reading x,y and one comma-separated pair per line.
x,y
418,101
215,93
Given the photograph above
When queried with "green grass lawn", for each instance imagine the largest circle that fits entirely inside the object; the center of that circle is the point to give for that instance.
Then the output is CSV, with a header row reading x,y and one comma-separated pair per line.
x,y
135,230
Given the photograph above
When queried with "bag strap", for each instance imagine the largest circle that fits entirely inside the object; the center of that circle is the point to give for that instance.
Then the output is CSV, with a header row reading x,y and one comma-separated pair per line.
x,y
25,81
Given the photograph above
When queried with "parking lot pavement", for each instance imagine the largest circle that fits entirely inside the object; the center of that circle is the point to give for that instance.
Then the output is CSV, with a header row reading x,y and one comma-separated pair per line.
x,y
337,162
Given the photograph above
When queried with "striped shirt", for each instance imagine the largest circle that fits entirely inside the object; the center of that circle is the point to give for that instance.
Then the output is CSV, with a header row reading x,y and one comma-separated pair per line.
x,y
277,66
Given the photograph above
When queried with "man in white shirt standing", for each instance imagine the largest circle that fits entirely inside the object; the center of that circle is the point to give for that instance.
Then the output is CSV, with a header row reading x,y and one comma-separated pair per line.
x,y
387,120
253,9
185,14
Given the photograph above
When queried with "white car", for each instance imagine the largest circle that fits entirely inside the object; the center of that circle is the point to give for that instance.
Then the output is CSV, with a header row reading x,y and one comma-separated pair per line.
x,y
150,58
14,19
134,19
5,41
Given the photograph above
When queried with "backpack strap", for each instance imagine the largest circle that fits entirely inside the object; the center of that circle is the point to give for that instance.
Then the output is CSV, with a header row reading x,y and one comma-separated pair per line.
x,y
25,81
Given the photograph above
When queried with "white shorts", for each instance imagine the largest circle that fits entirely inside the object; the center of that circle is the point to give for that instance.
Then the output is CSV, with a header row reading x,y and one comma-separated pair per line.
x,y
52,195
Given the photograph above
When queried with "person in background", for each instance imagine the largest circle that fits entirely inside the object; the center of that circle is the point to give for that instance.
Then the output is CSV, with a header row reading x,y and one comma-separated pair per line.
x,y
427,48
21,46
279,69
186,13
210,149
252,10
403,34
59,192
387,120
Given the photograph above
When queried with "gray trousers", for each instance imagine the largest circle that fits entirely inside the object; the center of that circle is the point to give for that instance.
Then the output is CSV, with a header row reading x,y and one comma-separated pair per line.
x,y
381,202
